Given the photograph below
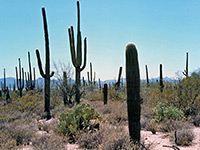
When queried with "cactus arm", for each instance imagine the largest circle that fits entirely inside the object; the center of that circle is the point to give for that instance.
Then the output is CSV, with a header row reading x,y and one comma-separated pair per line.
x,y
72,47
52,73
85,54
20,77
40,64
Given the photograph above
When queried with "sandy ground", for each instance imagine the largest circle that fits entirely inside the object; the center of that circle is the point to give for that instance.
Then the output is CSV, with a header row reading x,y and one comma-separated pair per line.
x,y
159,139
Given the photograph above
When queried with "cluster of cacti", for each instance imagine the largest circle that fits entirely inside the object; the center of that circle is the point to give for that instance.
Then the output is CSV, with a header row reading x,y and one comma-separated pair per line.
x,y
133,92
20,80
185,72
105,93
161,79
91,81
117,84
47,75
76,55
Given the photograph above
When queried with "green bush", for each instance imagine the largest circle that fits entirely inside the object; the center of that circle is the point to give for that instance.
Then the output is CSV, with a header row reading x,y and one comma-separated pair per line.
x,y
81,118
163,113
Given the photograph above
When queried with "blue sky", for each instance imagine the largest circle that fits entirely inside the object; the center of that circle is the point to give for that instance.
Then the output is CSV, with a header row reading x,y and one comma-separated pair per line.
x,y
163,31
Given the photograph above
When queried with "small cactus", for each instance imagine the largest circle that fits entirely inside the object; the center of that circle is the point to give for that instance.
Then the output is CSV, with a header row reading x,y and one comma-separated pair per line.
x,y
161,79
133,92
105,93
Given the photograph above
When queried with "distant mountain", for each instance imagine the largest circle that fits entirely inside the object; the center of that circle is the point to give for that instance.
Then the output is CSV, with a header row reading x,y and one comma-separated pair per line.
x,y
40,81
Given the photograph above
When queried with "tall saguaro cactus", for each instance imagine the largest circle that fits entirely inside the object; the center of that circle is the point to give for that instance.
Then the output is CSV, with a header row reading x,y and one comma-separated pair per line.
x,y
47,75
161,79
147,75
76,55
186,70
20,80
133,92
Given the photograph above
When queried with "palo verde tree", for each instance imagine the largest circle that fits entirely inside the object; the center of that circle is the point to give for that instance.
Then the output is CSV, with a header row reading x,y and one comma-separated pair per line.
x,y
76,55
47,75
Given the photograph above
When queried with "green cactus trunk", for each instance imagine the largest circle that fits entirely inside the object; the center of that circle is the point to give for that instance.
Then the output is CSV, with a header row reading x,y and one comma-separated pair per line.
x,y
99,85
161,79
133,92
47,74
4,82
147,76
105,93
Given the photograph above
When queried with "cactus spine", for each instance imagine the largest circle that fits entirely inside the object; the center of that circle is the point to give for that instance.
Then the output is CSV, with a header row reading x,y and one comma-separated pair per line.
x,y
147,75
20,80
186,71
161,79
47,74
133,92
77,55
105,93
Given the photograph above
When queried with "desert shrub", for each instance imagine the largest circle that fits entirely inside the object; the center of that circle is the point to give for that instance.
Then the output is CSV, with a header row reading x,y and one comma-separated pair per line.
x,y
48,143
116,95
118,114
163,112
20,132
196,120
91,140
153,127
29,102
56,100
79,118
94,96
6,141
184,137
172,125
116,138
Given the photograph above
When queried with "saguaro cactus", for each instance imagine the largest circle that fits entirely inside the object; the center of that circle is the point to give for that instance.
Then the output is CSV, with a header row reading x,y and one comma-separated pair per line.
x,y
133,92
20,80
77,55
185,72
105,93
31,84
4,81
147,76
46,75
117,84
161,79
99,85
